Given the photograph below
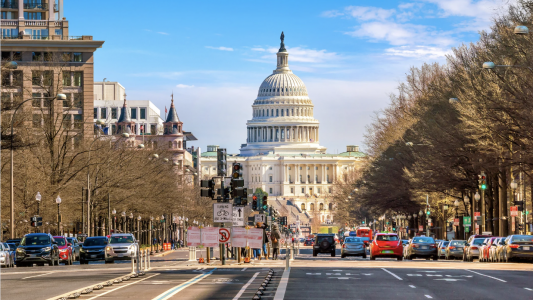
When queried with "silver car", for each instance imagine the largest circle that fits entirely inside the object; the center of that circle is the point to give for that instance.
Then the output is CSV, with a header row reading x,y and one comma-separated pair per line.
x,y
6,259
121,246
472,249
454,249
442,248
353,246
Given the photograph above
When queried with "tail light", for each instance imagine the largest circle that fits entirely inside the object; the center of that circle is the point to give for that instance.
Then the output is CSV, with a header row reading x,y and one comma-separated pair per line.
x,y
433,246
474,248
443,247
452,247
415,246
514,246
343,245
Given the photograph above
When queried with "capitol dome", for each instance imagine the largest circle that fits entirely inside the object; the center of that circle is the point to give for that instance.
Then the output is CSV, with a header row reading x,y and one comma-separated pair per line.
x,y
283,119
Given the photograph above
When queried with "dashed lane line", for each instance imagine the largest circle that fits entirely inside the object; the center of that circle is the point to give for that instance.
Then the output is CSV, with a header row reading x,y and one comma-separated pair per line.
x,y
173,291
428,296
122,286
397,277
245,286
244,269
528,289
486,275
38,275
414,287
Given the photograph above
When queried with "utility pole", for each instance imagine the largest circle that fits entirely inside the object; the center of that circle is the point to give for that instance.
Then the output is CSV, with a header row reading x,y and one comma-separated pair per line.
x,y
427,214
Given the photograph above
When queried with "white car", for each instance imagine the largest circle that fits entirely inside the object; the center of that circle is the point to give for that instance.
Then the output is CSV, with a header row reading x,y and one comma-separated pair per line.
x,y
5,256
122,246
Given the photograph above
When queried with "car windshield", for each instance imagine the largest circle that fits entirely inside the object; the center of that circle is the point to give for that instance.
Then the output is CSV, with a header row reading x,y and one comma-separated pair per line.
x,y
61,241
70,240
522,239
353,240
325,238
12,246
444,244
458,243
95,242
423,240
35,240
121,239
387,238
478,242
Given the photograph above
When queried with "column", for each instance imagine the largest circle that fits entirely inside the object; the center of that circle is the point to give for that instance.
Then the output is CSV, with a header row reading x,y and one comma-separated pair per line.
x,y
323,175
248,132
297,173
51,16
21,11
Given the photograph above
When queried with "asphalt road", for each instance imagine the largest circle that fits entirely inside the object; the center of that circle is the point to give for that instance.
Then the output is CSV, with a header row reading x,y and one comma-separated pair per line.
x,y
321,277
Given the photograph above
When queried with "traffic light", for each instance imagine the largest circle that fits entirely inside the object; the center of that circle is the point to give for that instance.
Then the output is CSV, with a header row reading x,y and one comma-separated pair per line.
x,y
520,205
428,212
283,221
393,223
210,191
237,171
36,221
264,204
482,181
254,202
221,161
520,226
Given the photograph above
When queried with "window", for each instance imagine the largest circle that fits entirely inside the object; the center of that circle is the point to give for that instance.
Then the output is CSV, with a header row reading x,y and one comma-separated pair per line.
x,y
270,168
95,113
267,112
316,168
316,178
103,113
321,206
292,112
327,178
17,56
36,77
309,178
308,168
78,78
78,100
48,56
66,102
330,206
270,178
59,32
36,56
301,178
300,168
290,179
327,168
312,206
318,190
302,206
36,102
36,120
303,190
78,121
270,190
113,113
134,113
277,112
289,168
77,57
48,78
113,129
292,190
67,81
329,190
282,112
32,15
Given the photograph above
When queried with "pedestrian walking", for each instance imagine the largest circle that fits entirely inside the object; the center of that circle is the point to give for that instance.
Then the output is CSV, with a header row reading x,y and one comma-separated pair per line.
x,y
265,239
275,236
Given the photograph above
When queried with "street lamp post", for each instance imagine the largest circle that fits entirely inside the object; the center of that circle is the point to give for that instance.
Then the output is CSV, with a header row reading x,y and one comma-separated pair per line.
x,y
132,227
139,227
58,201
114,221
150,236
12,190
476,198
38,199
456,204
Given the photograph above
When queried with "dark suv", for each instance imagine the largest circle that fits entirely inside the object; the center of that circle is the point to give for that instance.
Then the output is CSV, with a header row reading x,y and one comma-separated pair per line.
x,y
38,248
324,243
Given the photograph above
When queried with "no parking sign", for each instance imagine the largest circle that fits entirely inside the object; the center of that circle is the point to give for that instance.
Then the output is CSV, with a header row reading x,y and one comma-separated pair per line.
x,y
224,235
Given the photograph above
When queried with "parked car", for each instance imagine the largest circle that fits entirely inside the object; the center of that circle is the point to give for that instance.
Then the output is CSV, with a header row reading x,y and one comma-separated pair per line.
x,y
121,247
324,243
309,242
93,249
12,251
353,246
38,248
518,247
14,241
493,250
65,251
470,241
484,250
442,248
75,245
5,256
499,250
472,249
422,246
386,245
455,249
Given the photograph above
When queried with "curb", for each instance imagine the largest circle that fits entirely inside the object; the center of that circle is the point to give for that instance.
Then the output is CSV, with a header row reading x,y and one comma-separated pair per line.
x,y
164,253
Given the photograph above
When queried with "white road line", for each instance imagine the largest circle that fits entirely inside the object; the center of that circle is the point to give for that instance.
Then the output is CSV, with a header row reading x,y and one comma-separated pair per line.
x,y
282,287
528,289
397,277
244,269
173,291
137,281
486,275
245,286
428,296
37,275
414,287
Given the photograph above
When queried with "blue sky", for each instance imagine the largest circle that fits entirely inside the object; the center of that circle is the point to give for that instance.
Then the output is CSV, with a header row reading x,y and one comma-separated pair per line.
x,y
214,54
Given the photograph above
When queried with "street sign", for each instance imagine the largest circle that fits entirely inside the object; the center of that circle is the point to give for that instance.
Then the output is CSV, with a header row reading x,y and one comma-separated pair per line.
x,y
467,221
238,216
486,233
456,222
222,212
193,237
420,228
82,235
477,214
210,236
514,211
224,235
255,238
260,218
238,237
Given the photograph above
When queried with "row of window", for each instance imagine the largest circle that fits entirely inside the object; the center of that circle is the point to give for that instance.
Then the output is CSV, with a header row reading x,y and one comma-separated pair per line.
x,y
320,206
44,56
73,100
304,112
69,121
311,190
298,90
115,113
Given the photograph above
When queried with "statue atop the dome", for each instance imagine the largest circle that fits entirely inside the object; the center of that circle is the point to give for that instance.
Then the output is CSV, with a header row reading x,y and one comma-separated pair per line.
x,y
282,46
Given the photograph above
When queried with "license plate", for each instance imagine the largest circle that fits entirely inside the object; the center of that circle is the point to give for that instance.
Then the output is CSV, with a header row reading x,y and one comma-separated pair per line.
x,y
424,247
526,248
93,256
120,255
387,251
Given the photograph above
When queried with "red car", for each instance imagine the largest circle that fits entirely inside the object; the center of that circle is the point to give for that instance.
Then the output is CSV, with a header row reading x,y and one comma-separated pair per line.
x,y
386,245
65,250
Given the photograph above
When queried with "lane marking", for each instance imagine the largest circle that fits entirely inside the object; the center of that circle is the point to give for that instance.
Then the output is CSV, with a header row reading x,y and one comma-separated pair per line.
x,y
486,275
137,281
282,287
244,269
397,277
428,296
37,275
245,286
528,289
173,291
414,287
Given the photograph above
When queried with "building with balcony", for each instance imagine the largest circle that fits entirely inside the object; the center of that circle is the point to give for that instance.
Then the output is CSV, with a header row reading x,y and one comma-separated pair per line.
x,y
50,61
282,155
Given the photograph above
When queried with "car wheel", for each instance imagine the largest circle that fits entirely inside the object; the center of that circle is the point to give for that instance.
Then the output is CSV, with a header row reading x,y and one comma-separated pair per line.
x,y
505,258
435,258
109,261
333,253
427,258
364,255
399,258
343,256
314,253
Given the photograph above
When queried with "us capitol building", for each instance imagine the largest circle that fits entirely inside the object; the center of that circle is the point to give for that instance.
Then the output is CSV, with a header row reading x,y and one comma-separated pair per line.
x,y
282,154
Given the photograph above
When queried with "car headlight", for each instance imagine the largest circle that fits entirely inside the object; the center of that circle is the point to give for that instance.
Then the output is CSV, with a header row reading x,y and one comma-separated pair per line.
x,y
20,250
82,250
63,250
109,249
46,249
2,254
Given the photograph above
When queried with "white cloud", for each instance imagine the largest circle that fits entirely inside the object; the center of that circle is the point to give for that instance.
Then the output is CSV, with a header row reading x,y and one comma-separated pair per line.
x,y
184,86
300,54
418,52
363,13
259,49
163,33
220,48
